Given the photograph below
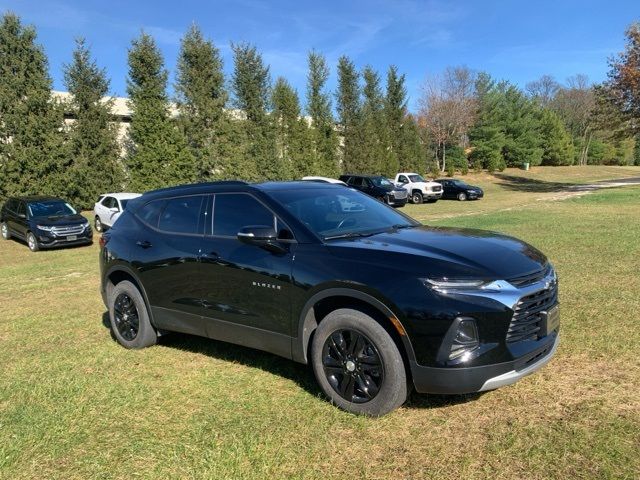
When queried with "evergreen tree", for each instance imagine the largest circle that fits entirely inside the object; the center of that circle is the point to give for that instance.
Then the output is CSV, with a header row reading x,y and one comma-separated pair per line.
x,y
556,143
487,136
402,127
32,132
349,109
93,146
292,133
323,135
201,98
157,154
377,154
251,84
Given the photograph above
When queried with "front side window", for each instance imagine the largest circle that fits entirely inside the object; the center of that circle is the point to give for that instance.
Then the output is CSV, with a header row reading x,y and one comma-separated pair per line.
x,y
49,208
181,215
381,182
342,213
233,211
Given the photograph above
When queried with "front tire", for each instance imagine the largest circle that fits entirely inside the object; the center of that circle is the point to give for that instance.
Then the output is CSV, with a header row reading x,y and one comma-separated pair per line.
x,y
32,242
416,197
5,231
129,317
462,196
357,364
98,224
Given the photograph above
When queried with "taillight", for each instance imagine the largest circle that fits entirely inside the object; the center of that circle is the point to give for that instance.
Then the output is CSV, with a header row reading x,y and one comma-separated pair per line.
x,y
103,241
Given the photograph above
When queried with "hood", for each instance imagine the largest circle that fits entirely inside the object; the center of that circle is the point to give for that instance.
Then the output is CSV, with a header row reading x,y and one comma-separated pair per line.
x,y
56,221
445,252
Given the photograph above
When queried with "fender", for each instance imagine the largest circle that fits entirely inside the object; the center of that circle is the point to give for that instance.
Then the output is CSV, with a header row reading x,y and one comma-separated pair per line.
x,y
307,322
126,269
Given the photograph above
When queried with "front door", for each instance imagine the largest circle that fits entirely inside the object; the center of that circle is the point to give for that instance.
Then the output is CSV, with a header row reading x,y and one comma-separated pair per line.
x,y
246,287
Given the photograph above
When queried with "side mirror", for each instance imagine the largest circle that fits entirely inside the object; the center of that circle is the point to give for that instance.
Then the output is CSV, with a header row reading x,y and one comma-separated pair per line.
x,y
114,209
261,236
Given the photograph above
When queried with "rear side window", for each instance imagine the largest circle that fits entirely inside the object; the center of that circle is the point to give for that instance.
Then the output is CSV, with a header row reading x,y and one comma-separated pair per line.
x,y
233,211
181,215
150,213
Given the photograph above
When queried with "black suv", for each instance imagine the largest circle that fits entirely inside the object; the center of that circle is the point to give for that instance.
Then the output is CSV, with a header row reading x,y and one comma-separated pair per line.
x,y
44,222
378,187
454,189
325,275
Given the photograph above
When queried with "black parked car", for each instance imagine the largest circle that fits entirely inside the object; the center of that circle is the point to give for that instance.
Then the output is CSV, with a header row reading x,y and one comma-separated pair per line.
x,y
325,275
458,190
378,187
44,222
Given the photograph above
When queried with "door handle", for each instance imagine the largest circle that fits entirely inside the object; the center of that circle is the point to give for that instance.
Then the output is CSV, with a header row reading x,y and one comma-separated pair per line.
x,y
143,243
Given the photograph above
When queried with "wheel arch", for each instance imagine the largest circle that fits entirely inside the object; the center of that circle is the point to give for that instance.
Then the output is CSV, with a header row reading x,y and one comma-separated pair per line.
x,y
119,273
326,301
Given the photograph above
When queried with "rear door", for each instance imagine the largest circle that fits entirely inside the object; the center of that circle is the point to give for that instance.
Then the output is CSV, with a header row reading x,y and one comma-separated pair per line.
x,y
21,224
166,250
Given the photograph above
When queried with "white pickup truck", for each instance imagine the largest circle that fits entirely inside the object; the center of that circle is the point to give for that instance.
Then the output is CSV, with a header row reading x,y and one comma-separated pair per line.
x,y
419,189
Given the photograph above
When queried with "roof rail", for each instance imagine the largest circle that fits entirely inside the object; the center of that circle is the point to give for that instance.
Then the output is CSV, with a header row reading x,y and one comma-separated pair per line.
x,y
199,185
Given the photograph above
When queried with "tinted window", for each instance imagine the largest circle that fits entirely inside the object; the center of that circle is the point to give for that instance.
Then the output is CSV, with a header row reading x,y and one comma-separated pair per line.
x,y
20,210
150,213
110,202
233,211
380,182
124,203
10,205
181,215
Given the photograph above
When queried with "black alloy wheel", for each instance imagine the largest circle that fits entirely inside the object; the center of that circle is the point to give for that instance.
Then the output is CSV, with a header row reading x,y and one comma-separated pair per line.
x,y
352,365
126,317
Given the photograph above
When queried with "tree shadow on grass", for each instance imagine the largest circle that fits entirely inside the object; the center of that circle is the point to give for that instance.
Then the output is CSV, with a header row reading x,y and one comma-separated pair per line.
x,y
294,371
522,184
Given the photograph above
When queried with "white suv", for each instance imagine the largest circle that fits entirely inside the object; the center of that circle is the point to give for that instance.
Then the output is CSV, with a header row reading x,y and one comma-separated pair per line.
x,y
419,189
109,207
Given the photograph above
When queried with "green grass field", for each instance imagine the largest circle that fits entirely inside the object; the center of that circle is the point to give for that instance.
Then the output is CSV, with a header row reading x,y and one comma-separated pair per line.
x,y
75,405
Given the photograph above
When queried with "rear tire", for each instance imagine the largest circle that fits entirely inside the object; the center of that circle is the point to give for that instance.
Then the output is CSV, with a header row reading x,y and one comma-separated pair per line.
x,y
416,197
129,317
462,196
357,364
5,231
32,242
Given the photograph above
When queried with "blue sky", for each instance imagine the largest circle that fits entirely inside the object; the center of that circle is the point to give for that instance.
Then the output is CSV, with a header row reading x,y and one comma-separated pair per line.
x,y
514,40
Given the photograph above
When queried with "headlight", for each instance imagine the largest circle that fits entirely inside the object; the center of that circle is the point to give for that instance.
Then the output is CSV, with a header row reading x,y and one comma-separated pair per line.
x,y
446,284
44,228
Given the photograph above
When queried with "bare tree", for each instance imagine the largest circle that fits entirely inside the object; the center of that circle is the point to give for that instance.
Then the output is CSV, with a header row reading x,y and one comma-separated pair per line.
x,y
543,90
448,108
575,104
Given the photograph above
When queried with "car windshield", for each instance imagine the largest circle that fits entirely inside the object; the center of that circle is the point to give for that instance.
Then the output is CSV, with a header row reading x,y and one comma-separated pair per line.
x,y
341,213
51,208
417,178
381,182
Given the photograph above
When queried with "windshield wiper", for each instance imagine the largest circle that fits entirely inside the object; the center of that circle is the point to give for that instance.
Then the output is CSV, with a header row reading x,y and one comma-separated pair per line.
x,y
398,226
350,235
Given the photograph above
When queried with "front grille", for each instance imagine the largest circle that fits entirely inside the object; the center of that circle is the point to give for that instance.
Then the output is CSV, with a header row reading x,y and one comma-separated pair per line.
x,y
437,189
526,323
531,278
68,230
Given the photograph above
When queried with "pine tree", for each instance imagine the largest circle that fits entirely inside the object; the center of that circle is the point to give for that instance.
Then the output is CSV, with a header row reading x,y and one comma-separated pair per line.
x,y
324,140
32,132
93,146
201,98
377,155
556,143
349,109
157,154
402,127
251,84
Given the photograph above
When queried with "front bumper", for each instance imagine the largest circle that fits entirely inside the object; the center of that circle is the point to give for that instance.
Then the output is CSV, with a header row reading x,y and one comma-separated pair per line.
x,y
475,195
432,195
482,378
46,240
396,202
